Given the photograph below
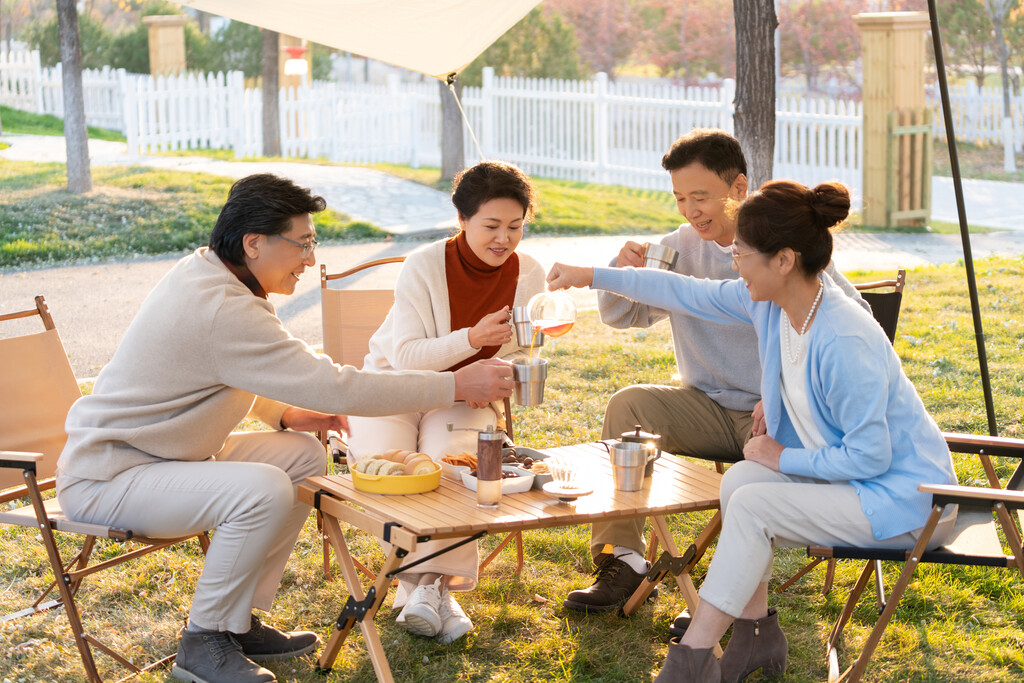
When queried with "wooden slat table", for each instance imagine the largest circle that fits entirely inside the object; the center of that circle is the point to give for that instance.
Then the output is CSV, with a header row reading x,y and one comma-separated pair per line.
x,y
450,511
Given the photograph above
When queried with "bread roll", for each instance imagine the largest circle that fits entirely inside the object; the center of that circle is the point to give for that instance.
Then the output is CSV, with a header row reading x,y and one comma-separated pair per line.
x,y
421,467
419,458
391,469
375,465
392,455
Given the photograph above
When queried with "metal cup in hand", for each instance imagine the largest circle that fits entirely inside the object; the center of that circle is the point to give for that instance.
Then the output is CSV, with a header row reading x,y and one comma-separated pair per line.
x,y
659,256
529,375
526,334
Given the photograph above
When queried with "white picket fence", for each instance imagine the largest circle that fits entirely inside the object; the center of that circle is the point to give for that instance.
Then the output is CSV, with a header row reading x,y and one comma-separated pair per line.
x,y
978,114
591,131
24,84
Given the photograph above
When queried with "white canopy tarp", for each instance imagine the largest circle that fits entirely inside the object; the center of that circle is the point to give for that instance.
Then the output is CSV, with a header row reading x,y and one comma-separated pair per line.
x,y
435,37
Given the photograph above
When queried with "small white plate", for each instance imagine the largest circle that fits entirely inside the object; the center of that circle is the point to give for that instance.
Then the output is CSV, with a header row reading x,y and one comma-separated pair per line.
x,y
563,494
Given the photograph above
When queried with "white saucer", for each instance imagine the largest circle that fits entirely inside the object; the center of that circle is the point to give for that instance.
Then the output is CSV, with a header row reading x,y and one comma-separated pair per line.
x,y
563,494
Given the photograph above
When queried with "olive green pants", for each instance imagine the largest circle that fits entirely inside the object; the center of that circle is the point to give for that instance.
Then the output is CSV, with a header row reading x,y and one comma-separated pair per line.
x,y
689,423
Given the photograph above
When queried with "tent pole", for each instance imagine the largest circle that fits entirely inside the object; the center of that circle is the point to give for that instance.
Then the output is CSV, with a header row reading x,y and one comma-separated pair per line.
x,y
954,164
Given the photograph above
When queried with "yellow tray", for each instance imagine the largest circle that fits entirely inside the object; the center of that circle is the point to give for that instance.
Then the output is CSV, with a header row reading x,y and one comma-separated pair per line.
x,y
397,484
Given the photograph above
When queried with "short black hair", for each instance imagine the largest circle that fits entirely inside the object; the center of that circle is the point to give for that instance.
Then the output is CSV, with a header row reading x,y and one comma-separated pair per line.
x,y
264,204
712,148
489,180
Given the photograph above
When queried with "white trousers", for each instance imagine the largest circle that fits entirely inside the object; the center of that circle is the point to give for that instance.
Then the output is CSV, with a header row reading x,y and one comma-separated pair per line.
x,y
247,496
763,509
426,432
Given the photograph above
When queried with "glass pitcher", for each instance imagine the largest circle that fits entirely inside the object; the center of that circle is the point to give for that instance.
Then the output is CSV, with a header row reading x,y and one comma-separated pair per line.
x,y
553,313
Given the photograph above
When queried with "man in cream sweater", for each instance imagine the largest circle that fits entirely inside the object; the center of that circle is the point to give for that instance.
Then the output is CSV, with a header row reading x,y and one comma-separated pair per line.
x,y
152,448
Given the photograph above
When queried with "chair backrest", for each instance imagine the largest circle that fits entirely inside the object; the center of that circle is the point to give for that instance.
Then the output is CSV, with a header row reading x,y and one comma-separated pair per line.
x,y
351,316
885,306
37,388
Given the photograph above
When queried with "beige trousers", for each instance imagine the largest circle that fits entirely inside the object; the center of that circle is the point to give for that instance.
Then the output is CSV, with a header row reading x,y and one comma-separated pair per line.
x,y
247,496
763,509
427,432
689,423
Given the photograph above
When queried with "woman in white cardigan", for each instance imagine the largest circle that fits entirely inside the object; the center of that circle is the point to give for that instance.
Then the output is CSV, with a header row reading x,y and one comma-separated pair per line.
x,y
452,306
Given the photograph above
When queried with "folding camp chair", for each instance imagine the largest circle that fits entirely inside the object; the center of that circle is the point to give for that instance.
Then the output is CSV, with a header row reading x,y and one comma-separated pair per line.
x,y
975,541
37,387
885,307
350,317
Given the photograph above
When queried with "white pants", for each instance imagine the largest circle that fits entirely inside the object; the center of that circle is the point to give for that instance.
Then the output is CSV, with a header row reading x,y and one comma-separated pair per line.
x,y
427,433
247,496
762,509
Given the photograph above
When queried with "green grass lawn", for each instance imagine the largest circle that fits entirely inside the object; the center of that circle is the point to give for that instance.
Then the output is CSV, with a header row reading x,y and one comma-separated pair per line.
x,y
25,123
955,623
131,211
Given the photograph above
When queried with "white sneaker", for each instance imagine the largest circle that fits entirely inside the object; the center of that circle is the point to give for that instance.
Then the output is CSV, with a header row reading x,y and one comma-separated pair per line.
x,y
420,614
454,622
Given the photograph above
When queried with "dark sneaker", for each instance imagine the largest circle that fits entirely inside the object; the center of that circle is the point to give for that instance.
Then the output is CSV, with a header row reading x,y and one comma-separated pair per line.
x,y
680,623
616,582
215,657
263,643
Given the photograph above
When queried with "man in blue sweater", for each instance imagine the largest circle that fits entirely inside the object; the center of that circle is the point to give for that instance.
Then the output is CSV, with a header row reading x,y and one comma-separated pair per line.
x,y
715,407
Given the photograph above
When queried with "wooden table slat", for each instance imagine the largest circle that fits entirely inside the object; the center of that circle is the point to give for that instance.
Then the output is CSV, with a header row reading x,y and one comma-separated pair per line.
x,y
677,486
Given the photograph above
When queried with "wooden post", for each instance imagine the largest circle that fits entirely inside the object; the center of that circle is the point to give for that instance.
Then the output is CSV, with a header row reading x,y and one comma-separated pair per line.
x,y
166,43
893,56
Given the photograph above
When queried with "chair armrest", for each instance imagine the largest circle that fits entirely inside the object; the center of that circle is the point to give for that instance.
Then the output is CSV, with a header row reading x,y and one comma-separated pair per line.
x,y
19,459
992,445
968,495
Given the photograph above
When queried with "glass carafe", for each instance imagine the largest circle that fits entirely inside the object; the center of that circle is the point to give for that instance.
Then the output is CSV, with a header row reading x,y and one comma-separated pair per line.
x,y
553,313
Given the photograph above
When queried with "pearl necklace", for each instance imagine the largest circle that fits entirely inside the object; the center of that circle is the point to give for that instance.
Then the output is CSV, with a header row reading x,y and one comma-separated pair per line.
x,y
795,358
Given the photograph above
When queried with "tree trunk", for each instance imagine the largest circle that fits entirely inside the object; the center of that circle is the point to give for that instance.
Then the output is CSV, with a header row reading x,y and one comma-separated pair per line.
x,y
754,119
453,151
271,111
76,137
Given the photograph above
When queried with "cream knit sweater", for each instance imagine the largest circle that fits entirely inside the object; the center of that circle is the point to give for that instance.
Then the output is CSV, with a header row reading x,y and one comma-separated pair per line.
x,y
417,333
191,365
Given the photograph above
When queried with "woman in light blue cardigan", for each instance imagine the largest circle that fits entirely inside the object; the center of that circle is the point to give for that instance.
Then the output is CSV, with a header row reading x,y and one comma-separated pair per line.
x,y
848,439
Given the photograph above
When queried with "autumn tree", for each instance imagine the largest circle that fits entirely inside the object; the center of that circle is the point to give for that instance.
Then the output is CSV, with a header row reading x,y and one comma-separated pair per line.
x,y
453,149
966,36
76,137
541,45
818,35
688,40
606,30
754,116
271,95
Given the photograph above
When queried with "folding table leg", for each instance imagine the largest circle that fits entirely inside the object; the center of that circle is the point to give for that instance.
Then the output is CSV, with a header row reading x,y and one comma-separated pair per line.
x,y
683,579
367,612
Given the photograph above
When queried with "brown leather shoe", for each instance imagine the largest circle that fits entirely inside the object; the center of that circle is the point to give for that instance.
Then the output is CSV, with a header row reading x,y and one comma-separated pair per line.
x,y
680,623
755,644
263,643
686,665
615,582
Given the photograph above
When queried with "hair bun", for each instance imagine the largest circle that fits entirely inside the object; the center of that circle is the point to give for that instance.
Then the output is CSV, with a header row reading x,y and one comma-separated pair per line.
x,y
831,204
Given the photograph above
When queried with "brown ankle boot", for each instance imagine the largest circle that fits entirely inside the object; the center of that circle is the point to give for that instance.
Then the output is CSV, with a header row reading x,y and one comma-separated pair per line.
x,y
755,643
686,665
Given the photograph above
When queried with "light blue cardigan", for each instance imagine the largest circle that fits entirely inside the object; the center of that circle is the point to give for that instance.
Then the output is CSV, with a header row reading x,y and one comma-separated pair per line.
x,y
881,439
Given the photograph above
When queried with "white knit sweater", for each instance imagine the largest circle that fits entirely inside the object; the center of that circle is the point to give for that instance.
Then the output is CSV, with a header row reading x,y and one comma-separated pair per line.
x,y
417,333
191,365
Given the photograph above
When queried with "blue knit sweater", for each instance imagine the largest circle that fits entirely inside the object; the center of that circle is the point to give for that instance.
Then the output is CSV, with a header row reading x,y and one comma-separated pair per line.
x,y
880,437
